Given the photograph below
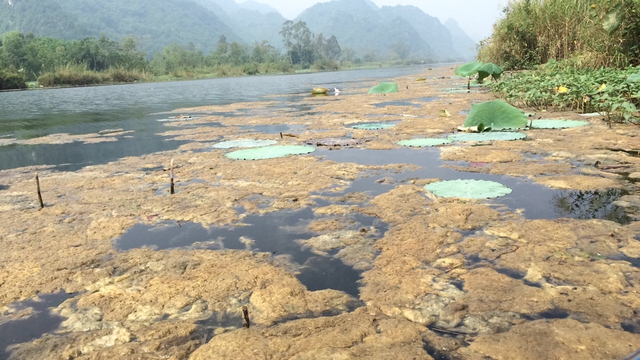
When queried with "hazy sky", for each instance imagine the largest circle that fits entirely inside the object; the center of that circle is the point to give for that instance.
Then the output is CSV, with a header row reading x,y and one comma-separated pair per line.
x,y
476,17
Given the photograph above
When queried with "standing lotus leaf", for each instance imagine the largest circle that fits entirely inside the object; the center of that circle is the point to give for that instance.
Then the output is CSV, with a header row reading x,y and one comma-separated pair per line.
x,y
427,142
243,143
496,114
270,152
376,126
557,124
488,136
468,69
468,189
489,69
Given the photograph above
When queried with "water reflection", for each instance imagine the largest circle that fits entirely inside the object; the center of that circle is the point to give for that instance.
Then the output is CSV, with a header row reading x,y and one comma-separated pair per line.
x,y
591,205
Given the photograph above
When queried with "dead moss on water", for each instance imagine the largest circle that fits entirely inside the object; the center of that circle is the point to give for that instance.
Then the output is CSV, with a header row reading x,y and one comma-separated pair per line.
x,y
448,278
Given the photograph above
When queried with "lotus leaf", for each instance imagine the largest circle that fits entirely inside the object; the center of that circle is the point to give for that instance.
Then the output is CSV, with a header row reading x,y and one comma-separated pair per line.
x,y
468,69
633,78
243,143
468,189
376,126
384,88
427,142
557,124
270,152
421,79
319,91
488,136
489,69
497,114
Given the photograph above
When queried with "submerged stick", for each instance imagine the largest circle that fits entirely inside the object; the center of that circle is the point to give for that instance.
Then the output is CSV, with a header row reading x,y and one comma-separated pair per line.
x,y
281,135
173,190
245,317
39,194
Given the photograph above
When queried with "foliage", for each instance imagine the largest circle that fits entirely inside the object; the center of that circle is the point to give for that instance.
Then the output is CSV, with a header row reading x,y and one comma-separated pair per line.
x,y
305,48
384,88
596,32
497,114
11,81
270,152
489,69
563,85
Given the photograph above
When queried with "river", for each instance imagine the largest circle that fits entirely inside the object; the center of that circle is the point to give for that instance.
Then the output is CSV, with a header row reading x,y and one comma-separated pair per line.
x,y
137,107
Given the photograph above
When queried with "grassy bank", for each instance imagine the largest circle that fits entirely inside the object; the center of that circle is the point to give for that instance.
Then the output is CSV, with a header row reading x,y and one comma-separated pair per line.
x,y
615,93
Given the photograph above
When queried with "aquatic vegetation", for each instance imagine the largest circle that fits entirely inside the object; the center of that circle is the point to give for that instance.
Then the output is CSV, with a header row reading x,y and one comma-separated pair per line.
x,y
468,70
425,142
496,114
613,93
270,152
489,69
468,189
384,88
488,136
557,124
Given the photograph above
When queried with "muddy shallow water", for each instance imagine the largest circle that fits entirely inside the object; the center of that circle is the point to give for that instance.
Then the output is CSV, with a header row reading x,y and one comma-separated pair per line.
x,y
340,253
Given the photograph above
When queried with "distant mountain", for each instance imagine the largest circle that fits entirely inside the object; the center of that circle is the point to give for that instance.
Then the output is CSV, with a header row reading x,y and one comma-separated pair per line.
x,y
259,7
429,28
362,26
251,25
464,45
157,23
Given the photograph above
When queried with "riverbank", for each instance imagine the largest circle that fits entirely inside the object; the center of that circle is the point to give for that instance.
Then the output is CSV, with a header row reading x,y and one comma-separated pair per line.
x,y
372,266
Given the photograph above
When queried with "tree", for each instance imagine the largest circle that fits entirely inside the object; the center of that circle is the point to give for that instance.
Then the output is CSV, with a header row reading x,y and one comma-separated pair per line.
x,y
333,50
401,48
13,50
298,40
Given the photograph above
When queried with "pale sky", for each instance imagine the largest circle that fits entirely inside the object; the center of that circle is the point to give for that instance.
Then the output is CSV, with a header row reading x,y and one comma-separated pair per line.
x,y
476,17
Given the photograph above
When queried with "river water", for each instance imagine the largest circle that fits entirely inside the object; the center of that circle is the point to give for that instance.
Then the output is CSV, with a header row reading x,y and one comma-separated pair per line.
x,y
137,107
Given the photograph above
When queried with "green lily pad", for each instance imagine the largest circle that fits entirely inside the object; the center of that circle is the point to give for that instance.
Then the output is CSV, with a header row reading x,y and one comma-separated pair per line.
x,y
243,143
270,152
426,142
375,126
497,114
384,88
469,69
557,124
468,189
488,136
633,78
489,69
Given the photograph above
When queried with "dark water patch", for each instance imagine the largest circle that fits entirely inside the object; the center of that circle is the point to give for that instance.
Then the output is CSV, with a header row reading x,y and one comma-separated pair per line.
x,y
4,187
632,326
459,284
275,233
514,274
321,273
435,353
40,322
550,314
539,202
464,112
587,205
621,257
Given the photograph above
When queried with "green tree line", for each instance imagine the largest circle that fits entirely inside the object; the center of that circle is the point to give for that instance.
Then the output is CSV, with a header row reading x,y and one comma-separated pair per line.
x,y
54,62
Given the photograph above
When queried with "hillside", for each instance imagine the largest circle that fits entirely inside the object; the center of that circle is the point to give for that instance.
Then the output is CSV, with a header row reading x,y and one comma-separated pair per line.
x,y
361,25
462,43
252,21
156,23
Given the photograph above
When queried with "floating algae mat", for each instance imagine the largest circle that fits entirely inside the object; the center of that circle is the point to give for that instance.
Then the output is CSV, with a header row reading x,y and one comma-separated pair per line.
x,y
425,142
557,124
270,152
468,189
488,136
243,143
373,126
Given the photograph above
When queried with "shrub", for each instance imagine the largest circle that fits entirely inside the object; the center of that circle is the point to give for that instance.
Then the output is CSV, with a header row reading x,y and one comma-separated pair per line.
x,y
11,81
